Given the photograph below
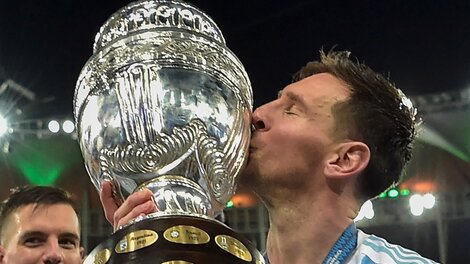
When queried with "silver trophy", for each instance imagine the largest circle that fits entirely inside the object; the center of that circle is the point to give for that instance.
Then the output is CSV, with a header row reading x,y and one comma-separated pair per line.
x,y
163,104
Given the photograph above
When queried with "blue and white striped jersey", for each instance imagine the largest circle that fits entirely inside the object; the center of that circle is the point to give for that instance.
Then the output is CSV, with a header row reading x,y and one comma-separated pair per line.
x,y
373,250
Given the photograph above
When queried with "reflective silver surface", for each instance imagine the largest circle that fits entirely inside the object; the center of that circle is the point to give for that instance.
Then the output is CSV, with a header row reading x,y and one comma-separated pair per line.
x,y
164,104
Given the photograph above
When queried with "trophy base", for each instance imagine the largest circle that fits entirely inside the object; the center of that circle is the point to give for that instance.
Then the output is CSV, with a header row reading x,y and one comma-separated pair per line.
x,y
175,240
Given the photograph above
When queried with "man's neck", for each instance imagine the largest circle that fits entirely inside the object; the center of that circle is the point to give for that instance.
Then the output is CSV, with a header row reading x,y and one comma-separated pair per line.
x,y
306,232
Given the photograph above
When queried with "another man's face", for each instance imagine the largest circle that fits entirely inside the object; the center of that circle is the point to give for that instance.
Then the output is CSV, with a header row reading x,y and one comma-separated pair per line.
x,y
42,234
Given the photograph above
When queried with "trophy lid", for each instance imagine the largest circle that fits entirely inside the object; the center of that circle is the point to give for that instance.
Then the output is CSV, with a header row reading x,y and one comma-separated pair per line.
x,y
156,15
154,20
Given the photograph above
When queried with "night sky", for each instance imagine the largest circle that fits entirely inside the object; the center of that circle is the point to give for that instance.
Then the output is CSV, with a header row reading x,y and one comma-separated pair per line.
x,y
422,45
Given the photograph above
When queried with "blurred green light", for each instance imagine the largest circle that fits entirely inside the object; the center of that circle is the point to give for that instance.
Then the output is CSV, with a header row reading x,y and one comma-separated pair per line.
x,y
39,171
393,193
230,204
42,161
383,195
405,192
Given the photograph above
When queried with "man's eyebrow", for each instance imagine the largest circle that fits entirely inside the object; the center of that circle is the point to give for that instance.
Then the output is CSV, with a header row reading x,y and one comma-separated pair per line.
x,y
32,234
296,98
69,235
42,234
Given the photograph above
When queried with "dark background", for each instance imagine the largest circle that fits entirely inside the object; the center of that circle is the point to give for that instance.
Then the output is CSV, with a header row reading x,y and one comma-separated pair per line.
x,y
422,45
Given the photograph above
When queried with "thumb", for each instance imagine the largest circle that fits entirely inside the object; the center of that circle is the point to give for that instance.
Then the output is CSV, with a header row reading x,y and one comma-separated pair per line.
x,y
107,201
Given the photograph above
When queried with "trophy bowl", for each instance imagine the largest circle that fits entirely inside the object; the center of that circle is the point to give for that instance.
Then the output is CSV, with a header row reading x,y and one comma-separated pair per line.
x,y
163,104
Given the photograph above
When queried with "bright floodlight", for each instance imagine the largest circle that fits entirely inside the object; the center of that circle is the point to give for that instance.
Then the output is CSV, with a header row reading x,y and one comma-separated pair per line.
x,y
359,217
53,126
367,211
416,204
68,126
3,125
429,201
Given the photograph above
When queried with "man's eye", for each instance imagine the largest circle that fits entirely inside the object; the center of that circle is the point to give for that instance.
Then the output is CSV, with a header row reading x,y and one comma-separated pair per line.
x,y
289,110
67,243
33,241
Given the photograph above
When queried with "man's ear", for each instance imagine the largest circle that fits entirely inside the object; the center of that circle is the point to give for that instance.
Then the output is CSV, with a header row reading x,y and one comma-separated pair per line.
x,y
82,253
348,159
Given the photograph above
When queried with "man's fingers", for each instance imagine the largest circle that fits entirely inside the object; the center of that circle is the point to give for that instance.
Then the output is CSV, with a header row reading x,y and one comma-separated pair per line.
x,y
141,209
108,202
136,204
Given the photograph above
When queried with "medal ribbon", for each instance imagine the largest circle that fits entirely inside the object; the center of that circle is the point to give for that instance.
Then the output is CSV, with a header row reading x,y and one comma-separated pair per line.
x,y
343,247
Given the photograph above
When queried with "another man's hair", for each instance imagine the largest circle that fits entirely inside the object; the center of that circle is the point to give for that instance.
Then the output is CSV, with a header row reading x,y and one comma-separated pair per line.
x,y
377,113
36,195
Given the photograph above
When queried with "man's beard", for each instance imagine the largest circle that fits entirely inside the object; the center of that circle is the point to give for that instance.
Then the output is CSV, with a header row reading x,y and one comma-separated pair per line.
x,y
252,179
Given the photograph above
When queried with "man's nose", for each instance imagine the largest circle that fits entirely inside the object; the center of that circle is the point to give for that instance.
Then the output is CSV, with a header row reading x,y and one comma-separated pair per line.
x,y
258,119
53,253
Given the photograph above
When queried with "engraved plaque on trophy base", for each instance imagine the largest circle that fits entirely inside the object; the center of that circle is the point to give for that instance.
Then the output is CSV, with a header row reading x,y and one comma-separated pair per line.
x,y
175,240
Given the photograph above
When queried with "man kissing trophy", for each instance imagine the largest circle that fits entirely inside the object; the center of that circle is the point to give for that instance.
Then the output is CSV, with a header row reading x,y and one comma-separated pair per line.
x,y
163,104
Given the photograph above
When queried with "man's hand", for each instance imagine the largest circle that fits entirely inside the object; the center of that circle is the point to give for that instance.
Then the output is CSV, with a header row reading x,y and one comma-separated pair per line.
x,y
137,204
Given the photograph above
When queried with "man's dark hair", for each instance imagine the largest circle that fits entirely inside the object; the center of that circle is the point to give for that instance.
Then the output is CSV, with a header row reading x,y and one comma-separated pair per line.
x,y
36,195
376,113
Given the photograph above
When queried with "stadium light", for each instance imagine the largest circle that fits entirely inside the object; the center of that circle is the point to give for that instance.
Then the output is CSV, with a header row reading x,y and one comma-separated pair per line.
x,y
53,126
416,204
429,201
393,193
420,202
366,211
68,126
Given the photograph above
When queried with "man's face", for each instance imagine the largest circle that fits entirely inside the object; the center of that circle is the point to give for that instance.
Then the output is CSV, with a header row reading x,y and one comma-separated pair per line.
x,y
42,234
294,134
